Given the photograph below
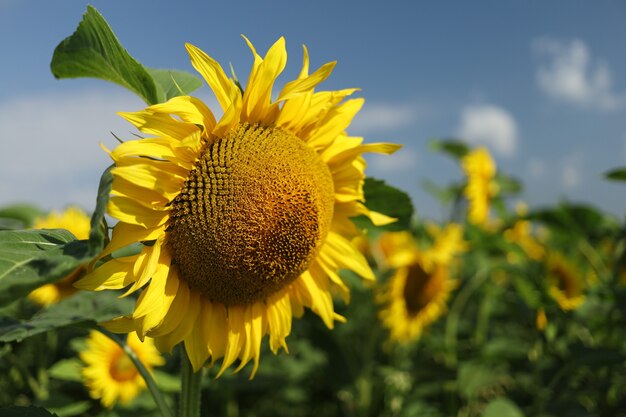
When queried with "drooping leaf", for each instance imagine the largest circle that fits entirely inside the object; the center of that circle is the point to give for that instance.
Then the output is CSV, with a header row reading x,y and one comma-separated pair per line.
x,y
502,407
15,411
81,309
99,233
618,174
94,51
173,83
452,147
31,258
388,200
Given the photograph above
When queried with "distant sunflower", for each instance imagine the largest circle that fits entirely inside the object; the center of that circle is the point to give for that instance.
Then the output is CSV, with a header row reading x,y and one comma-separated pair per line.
x,y
109,373
480,169
566,284
245,221
418,292
78,223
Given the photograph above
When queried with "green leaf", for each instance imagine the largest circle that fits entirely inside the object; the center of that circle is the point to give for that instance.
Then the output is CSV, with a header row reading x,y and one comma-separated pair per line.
x,y
452,147
22,214
618,174
508,184
173,83
82,309
98,233
15,411
502,407
31,258
94,51
388,200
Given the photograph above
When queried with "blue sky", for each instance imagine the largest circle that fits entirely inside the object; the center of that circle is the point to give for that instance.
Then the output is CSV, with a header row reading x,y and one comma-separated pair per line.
x,y
542,84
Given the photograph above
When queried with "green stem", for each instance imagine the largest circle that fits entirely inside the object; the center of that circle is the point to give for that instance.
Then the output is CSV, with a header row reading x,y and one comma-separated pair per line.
x,y
191,387
150,383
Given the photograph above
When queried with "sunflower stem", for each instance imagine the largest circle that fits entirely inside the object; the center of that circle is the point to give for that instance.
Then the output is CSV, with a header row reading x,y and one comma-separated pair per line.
x,y
191,387
143,371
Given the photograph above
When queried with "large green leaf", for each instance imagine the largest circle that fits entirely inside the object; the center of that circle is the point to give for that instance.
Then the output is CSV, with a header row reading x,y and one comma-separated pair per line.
x,y
94,51
173,83
82,309
31,258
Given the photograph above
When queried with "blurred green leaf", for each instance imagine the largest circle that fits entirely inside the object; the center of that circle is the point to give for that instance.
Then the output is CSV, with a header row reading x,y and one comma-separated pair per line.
x,y
445,195
170,81
474,378
65,406
31,411
387,200
508,185
618,174
94,51
66,370
21,215
31,258
452,147
502,407
575,218
82,309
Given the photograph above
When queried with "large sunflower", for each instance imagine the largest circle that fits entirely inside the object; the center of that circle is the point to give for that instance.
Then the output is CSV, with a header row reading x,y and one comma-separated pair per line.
x,y
109,374
78,223
244,221
417,294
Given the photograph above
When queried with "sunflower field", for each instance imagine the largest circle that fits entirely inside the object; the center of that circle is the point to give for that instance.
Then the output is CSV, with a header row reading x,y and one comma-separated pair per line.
x,y
245,266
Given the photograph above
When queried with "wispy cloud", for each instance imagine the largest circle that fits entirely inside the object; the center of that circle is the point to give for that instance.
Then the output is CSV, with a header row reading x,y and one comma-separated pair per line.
x,y
50,146
571,75
489,125
376,117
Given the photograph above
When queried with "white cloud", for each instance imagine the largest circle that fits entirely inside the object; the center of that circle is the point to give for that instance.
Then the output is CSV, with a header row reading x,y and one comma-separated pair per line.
x,y
489,125
376,117
571,170
571,76
50,145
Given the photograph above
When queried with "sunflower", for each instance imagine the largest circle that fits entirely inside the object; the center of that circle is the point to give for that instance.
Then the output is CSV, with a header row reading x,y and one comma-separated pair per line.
x,y
566,285
480,169
521,233
109,373
78,223
417,294
245,220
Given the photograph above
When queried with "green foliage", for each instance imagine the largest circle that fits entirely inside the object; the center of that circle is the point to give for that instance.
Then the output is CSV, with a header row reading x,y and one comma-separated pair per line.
x,y
451,147
31,258
82,309
94,51
98,234
26,412
387,200
618,174
18,216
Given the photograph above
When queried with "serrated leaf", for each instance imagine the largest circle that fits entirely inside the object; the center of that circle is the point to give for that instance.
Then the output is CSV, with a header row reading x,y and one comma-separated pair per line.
x,y
618,174
31,258
173,83
452,147
15,411
82,309
98,233
390,201
502,407
94,51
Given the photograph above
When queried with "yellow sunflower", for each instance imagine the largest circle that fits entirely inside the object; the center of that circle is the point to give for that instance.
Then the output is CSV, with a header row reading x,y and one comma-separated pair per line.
x,y
244,221
109,374
418,292
480,169
78,223
521,233
566,285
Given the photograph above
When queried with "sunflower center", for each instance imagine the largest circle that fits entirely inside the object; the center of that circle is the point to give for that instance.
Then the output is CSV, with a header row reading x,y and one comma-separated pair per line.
x,y
251,215
122,368
417,289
